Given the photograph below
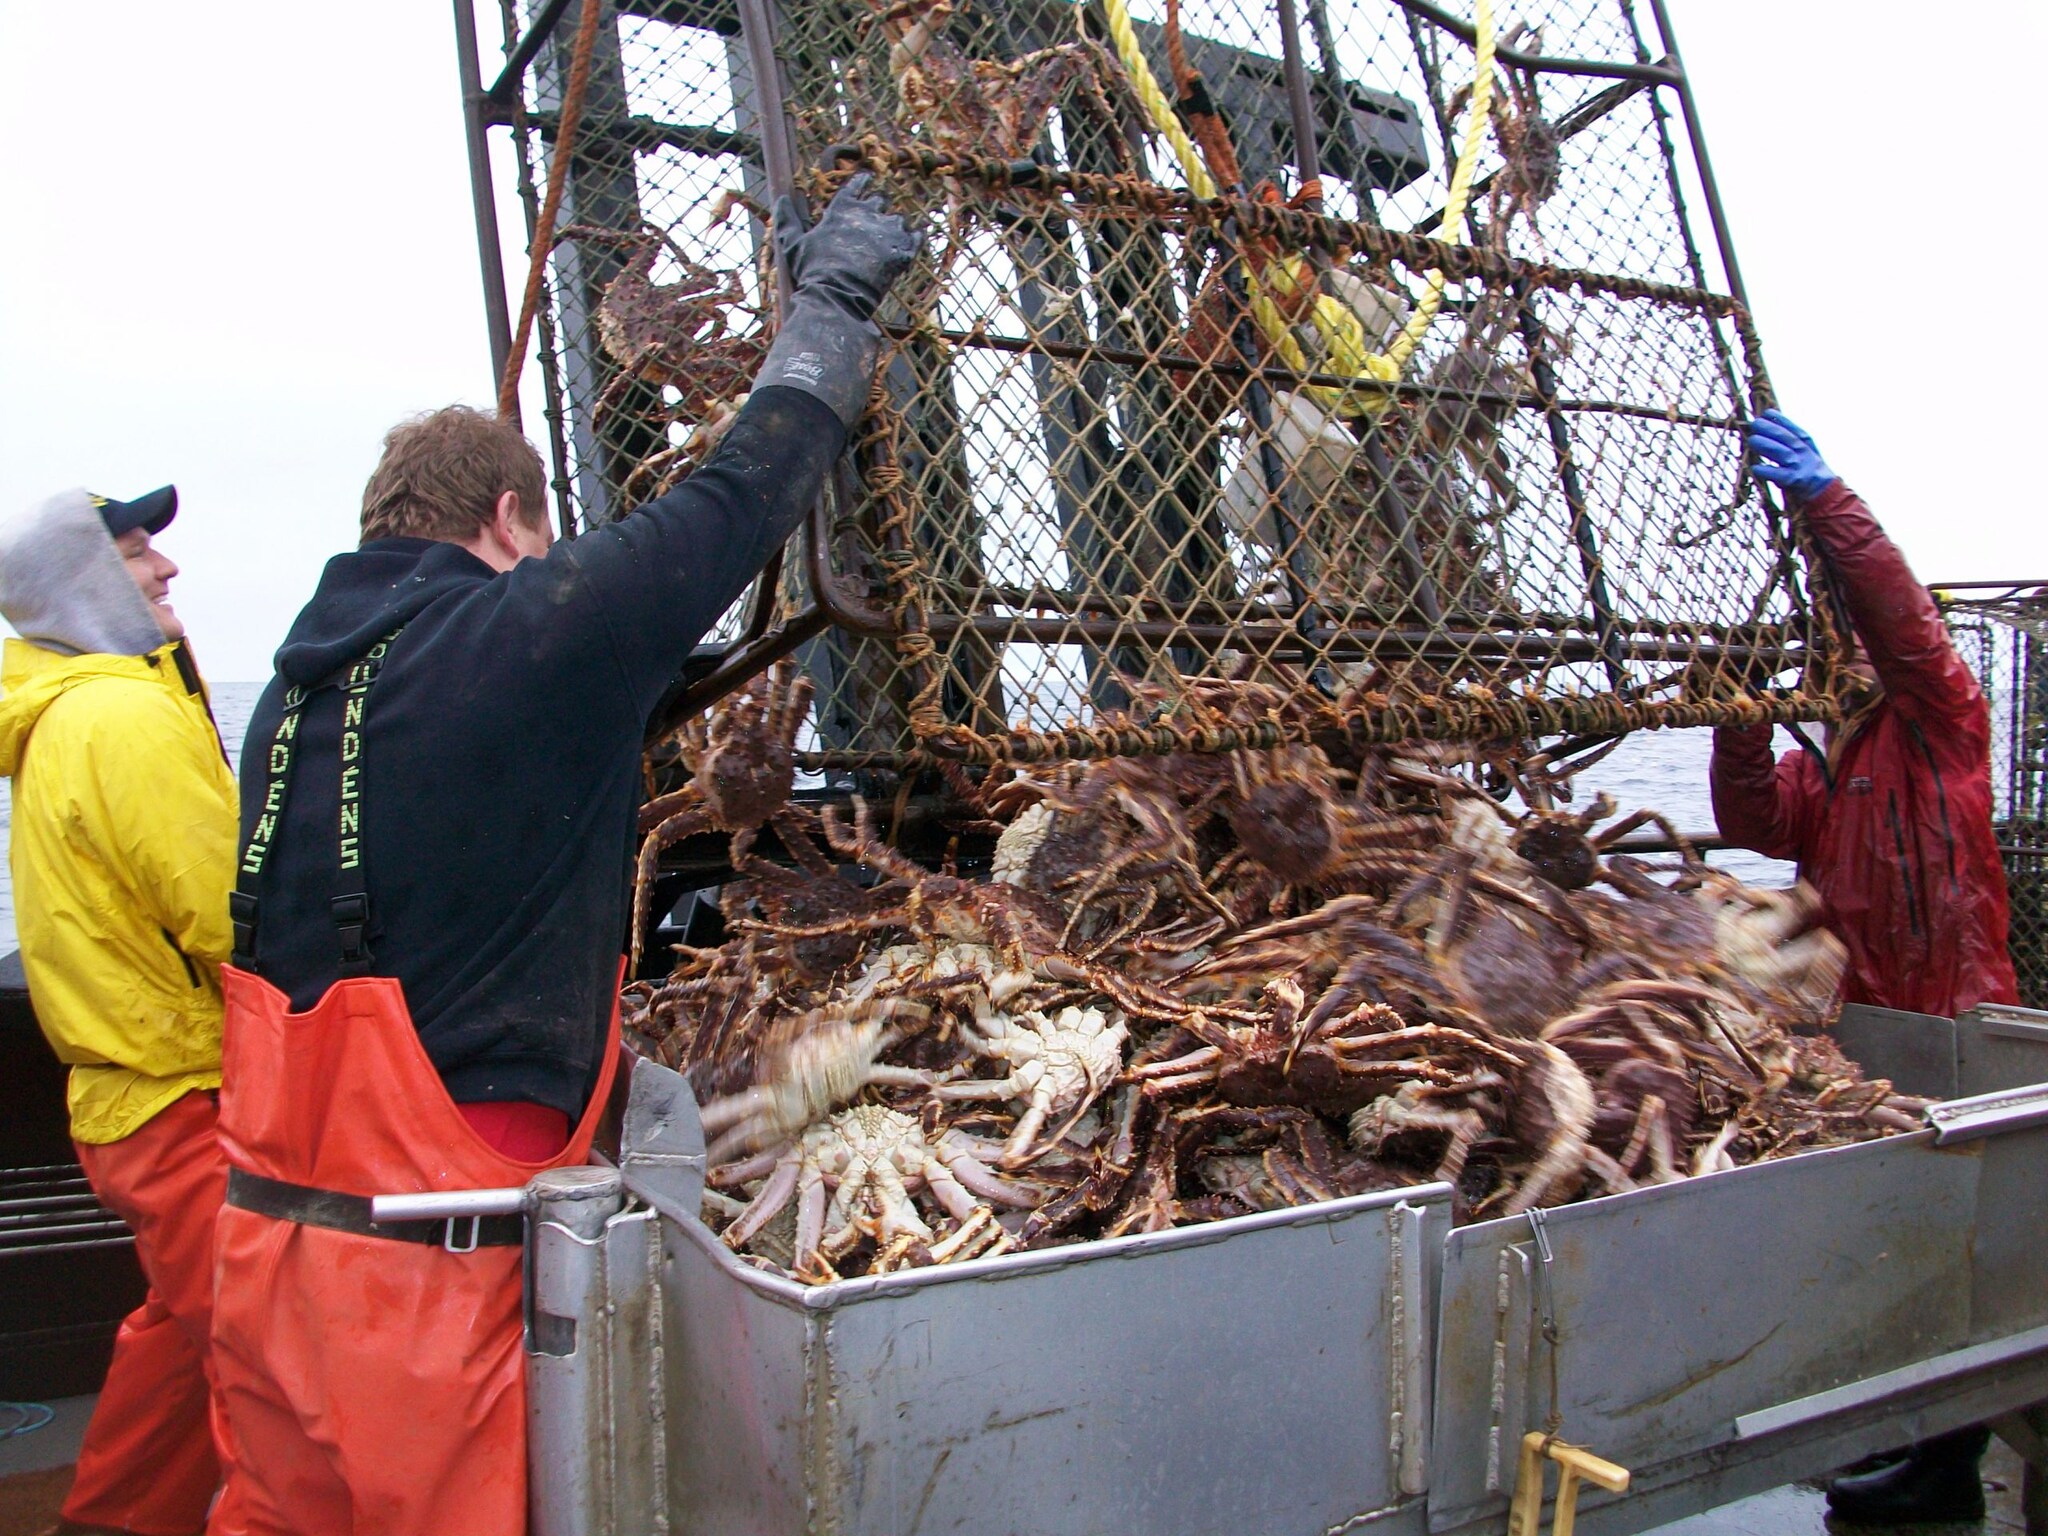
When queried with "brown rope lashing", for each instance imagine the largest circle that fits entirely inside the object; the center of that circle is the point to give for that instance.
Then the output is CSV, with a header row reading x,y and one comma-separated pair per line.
x,y
544,225
1289,225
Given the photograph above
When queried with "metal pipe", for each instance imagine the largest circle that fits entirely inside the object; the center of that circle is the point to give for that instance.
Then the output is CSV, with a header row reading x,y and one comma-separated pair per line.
x,y
1705,166
647,133
1399,517
953,597
1337,90
544,318
1545,379
734,669
483,201
506,86
1599,69
771,124
440,1205
1308,160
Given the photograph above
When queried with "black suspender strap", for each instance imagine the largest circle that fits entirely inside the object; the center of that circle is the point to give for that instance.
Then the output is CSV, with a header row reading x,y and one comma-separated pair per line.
x,y
350,904
242,902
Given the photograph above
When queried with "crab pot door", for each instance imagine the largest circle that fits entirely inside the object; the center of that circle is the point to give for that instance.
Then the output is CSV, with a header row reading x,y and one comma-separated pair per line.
x,y
1444,442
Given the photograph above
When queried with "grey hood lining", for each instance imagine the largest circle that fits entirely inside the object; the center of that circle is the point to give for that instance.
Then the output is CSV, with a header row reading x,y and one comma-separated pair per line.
x,y
65,587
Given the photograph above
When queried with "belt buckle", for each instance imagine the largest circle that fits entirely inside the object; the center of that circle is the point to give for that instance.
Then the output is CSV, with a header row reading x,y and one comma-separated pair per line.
x,y
448,1242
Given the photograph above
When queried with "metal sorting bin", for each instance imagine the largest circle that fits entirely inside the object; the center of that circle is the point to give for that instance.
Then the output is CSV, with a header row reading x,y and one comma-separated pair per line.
x,y
1724,1335
1310,1371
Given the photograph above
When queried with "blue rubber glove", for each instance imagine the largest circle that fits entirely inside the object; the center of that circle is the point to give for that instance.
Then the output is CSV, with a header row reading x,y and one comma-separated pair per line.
x,y
1783,454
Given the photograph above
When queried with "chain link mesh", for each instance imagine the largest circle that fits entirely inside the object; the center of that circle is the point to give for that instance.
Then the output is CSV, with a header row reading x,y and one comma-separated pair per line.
x,y
1134,429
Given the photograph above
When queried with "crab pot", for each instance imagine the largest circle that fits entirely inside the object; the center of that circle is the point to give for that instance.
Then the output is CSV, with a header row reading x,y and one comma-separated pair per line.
x,y
1266,1373
1727,1334
2001,631
1459,464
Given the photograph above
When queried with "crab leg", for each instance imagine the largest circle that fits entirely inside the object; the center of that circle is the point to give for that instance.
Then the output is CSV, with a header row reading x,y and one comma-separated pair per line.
x,y
775,1194
977,1237
1192,1063
1570,1100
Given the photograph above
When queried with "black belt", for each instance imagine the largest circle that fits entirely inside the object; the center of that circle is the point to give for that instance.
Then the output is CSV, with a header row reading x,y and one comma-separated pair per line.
x,y
351,1213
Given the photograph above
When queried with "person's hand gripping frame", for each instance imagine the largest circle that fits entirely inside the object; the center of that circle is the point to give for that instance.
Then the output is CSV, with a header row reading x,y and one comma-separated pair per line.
x,y
840,270
1782,452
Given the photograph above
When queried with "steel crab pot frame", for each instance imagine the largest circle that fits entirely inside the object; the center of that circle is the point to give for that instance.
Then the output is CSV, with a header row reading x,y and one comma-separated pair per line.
x,y
1416,386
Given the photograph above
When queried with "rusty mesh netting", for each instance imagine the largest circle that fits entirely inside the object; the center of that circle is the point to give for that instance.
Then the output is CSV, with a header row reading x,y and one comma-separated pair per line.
x,y
2002,633
1152,413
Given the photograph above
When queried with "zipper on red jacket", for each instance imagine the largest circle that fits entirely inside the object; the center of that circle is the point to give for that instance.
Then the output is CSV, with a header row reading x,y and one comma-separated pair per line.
x,y
1940,799
1891,799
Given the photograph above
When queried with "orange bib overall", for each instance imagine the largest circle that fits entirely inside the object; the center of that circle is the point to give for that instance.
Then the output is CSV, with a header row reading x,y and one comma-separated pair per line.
x,y
370,1384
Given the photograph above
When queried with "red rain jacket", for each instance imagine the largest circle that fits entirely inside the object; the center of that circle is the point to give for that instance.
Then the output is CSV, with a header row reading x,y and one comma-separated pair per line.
x,y
1900,847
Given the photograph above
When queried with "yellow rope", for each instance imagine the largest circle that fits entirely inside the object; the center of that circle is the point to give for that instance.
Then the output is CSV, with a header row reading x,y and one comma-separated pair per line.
x,y
1157,105
1342,331
1461,179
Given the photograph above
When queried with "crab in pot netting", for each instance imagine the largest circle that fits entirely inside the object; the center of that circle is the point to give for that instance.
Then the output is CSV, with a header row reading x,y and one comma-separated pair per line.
x,y
986,108
699,335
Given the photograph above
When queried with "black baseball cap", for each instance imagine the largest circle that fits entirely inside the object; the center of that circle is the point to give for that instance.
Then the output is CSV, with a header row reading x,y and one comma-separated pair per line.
x,y
152,511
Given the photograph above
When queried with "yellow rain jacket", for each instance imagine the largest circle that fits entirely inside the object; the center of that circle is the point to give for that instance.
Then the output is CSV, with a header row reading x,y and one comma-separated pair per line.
x,y
123,849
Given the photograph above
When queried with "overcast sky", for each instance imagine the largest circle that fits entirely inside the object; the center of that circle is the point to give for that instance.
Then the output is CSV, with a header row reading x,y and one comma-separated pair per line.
x,y
239,247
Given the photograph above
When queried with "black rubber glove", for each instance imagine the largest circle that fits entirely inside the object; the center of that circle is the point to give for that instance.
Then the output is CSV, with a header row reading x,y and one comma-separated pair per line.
x,y
839,273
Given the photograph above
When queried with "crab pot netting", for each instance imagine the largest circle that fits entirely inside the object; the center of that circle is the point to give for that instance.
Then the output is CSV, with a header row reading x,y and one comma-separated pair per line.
x,y
1134,430
2003,637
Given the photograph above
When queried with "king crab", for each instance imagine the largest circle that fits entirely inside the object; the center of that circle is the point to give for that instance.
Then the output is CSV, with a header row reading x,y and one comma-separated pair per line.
x,y
870,1159
982,109
699,335
810,1064
1292,825
742,762
1058,1065
1335,1067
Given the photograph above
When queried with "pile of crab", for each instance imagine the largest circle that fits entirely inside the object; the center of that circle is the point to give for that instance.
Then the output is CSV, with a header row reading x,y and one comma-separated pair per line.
x,y
1198,986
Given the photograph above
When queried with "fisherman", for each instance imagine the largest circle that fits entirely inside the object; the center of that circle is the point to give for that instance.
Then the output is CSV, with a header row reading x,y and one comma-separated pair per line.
x,y
442,784
122,851
1891,823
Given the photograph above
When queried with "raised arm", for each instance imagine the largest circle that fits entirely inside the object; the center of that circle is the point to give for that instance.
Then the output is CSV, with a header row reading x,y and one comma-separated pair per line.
x,y
1896,621
1759,804
649,586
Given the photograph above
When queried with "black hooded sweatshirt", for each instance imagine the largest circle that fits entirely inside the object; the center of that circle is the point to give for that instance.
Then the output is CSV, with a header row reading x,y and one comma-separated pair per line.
x,y
501,757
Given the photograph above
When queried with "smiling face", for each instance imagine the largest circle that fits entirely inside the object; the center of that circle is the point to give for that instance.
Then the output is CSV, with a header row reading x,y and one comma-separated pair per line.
x,y
152,570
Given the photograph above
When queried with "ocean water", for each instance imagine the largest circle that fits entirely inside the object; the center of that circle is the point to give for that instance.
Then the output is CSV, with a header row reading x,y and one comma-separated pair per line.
x,y
1666,770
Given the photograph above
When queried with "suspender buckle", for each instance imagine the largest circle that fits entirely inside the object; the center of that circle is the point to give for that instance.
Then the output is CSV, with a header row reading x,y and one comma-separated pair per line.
x,y
242,918
448,1235
352,920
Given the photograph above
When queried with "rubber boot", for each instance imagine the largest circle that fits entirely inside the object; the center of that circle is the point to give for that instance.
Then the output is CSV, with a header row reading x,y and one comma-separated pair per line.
x,y
1937,1481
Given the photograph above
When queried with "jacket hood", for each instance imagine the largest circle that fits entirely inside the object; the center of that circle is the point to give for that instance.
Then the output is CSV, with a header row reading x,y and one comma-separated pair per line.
x,y
366,594
64,586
